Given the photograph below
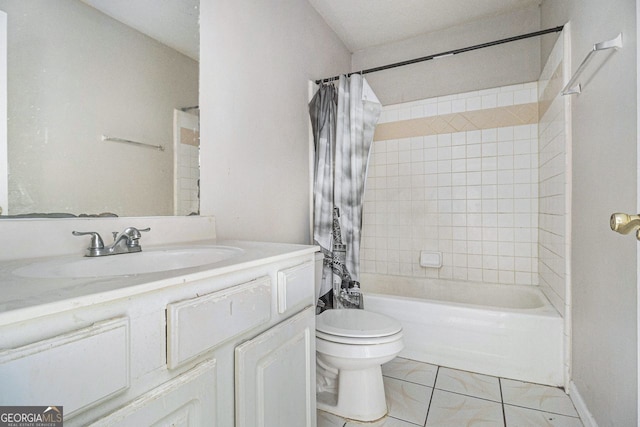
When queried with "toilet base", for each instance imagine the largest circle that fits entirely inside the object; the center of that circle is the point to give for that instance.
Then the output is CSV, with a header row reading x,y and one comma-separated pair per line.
x,y
360,395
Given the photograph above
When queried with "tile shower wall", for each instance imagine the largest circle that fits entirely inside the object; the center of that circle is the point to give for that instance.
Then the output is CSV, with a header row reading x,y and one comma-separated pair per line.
x,y
187,162
553,183
458,175
188,175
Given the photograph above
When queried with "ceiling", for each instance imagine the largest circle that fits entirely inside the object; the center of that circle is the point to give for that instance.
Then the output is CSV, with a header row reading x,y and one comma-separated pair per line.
x,y
171,22
359,23
365,23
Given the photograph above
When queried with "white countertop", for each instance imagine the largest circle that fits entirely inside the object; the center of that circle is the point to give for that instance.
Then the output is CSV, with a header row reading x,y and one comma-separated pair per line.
x,y
22,298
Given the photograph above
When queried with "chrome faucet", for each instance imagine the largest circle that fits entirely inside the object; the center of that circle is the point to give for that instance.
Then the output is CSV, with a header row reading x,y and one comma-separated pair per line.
x,y
126,242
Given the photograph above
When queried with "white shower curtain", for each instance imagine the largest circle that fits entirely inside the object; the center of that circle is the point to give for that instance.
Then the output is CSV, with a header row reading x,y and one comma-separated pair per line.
x,y
343,127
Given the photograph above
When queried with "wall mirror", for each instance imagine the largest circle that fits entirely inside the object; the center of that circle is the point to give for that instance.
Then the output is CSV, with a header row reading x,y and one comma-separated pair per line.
x,y
84,77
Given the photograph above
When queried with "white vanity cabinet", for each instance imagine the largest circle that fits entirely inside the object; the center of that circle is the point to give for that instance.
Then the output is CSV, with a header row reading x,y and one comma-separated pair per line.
x,y
231,347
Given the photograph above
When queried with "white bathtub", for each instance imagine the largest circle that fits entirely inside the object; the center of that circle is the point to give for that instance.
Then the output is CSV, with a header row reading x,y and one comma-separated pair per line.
x,y
508,331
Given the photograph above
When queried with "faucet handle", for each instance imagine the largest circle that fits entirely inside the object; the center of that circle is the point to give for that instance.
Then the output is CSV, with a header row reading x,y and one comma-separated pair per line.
x,y
134,232
96,240
134,235
130,232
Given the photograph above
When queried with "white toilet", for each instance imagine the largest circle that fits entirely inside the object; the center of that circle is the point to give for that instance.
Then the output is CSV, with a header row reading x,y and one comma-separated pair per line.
x,y
351,346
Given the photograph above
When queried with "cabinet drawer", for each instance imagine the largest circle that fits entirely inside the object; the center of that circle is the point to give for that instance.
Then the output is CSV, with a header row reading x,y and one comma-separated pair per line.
x,y
197,325
188,400
74,370
296,287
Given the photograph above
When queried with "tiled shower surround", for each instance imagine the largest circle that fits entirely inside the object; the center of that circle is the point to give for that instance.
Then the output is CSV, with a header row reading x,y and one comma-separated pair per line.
x,y
458,175
554,187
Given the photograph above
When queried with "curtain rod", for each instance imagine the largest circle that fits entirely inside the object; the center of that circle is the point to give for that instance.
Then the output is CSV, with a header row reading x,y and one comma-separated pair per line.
x,y
447,53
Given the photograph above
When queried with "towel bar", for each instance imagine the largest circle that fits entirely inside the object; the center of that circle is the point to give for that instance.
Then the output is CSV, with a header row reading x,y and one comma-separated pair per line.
x,y
142,144
572,88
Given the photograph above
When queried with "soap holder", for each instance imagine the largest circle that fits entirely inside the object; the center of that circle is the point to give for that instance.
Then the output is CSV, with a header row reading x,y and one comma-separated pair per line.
x,y
431,259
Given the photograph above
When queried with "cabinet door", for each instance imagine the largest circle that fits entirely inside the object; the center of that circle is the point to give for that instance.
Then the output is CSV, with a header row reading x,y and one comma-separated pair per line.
x,y
189,400
275,375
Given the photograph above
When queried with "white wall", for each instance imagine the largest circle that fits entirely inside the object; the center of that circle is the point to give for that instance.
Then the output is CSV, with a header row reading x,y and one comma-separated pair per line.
x,y
604,178
75,74
256,60
503,65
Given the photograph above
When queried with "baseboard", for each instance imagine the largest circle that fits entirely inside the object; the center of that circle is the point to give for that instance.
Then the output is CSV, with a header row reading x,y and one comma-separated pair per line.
x,y
581,407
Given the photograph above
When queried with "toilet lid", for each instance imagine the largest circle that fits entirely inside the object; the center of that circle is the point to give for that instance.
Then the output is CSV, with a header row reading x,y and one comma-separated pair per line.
x,y
356,323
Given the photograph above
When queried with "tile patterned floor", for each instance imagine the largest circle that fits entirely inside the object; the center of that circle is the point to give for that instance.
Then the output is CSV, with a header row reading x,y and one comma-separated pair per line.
x,y
420,394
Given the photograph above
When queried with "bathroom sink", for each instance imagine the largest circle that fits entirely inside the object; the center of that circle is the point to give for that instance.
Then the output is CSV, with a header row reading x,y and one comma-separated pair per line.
x,y
147,261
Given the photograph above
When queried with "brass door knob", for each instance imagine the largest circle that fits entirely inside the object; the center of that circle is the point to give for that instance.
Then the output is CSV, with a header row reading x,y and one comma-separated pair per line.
x,y
624,224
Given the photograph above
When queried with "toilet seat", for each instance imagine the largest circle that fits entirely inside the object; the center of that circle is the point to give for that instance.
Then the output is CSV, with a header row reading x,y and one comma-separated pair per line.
x,y
358,341
354,326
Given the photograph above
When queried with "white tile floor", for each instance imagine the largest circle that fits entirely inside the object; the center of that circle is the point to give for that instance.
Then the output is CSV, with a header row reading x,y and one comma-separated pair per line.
x,y
420,394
